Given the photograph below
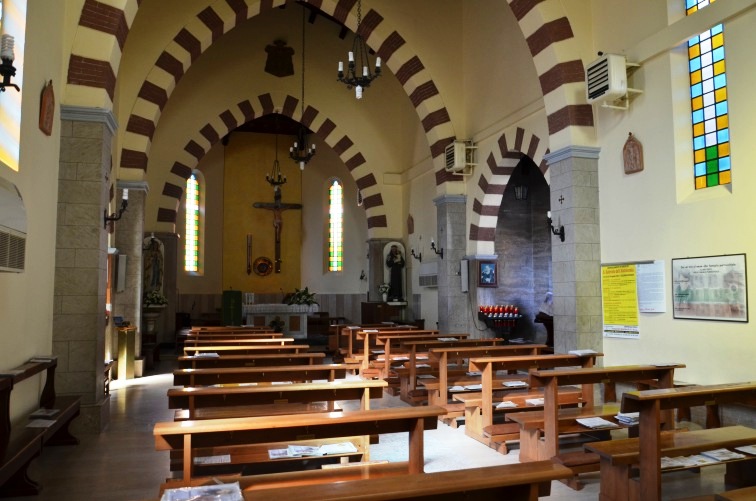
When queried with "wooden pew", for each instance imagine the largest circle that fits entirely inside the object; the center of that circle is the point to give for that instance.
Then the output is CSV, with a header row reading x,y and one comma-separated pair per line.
x,y
350,332
512,482
281,347
263,357
20,445
231,328
418,350
252,400
236,375
187,436
387,339
254,341
233,335
479,414
553,421
646,451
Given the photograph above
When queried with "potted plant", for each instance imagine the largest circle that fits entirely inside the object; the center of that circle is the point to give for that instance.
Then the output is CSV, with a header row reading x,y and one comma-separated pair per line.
x,y
155,298
384,289
301,296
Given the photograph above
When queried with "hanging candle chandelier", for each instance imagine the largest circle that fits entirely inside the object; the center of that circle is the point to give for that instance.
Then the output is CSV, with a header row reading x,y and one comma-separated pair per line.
x,y
301,152
358,74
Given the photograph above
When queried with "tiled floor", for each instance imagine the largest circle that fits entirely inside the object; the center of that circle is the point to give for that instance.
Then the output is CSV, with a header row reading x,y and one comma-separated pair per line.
x,y
122,464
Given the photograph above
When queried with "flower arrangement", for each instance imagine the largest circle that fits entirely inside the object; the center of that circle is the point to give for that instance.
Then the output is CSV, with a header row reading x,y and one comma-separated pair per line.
x,y
300,296
155,298
384,288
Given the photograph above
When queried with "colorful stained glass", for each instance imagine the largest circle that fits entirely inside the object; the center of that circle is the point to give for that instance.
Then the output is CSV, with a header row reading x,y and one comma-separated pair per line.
x,y
191,240
708,99
335,227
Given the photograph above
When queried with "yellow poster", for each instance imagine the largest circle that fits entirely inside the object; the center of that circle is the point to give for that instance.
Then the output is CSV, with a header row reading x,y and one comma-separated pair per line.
x,y
620,300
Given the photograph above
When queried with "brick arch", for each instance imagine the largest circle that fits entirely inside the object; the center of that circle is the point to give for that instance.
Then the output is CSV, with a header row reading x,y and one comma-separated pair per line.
x,y
224,15
202,140
556,56
493,182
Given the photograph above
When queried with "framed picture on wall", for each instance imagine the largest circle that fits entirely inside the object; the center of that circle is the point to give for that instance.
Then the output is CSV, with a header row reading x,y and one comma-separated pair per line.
x,y
488,275
710,288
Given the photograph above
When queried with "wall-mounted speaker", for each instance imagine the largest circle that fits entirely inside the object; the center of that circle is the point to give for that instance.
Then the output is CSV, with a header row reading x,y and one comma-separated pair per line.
x,y
464,275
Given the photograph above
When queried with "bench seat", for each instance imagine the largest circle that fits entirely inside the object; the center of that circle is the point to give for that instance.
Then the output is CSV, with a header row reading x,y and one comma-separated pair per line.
x,y
511,482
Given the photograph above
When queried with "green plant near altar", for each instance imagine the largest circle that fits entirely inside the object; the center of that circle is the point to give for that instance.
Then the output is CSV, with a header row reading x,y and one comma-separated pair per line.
x,y
301,296
384,288
155,298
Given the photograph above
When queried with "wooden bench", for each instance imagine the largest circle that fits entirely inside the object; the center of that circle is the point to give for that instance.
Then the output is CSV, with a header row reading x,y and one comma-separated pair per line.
x,y
389,341
236,375
18,447
247,399
254,360
278,345
274,431
417,349
253,341
213,329
479,415
744,494
369,339
350,332
652,444
513,482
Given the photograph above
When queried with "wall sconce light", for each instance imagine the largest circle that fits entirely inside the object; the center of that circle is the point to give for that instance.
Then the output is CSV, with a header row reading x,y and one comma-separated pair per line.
x,y
438,251
555,231
114,216
7,70
418,256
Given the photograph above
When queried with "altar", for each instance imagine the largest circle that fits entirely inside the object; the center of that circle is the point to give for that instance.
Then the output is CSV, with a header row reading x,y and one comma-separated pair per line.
x,y
293,317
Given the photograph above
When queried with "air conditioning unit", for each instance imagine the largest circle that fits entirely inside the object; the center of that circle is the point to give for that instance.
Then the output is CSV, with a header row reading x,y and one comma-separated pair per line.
x,y
12,228
429,274
606,78
460,157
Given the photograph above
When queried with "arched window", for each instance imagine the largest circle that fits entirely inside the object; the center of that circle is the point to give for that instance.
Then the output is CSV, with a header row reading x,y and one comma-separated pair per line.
x,y
335,226
708,95
13,21
192,229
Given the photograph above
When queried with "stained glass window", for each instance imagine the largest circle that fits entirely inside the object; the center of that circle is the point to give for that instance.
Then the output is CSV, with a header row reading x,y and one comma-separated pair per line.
x,y
335,226
191,242
708,95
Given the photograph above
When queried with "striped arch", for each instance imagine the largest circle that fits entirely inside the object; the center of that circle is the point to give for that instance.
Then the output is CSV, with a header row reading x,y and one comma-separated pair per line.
x,y
212,132
547,30
97,50
493,182
224,15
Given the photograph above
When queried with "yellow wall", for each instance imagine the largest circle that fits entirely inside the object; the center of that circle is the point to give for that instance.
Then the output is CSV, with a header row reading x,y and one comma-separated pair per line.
x,y
256,152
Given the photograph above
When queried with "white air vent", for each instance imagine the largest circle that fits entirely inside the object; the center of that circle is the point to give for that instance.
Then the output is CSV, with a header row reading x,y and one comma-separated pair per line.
x,y
606,78
429,274
460,157
12,228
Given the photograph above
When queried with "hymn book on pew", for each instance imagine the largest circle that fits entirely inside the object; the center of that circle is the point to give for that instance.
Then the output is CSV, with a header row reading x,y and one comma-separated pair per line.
x,y
596,423
515,384
298,451
748,449
506,404
219,492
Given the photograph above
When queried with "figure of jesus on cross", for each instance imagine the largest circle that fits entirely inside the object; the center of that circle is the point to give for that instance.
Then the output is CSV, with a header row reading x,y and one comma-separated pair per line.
x,y
277,207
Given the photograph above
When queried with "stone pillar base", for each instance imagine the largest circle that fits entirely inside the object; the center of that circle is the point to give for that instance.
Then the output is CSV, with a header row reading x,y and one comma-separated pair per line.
x,y
93,418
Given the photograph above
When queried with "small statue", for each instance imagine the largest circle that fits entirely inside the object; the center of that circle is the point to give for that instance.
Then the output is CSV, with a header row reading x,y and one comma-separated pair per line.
x,y
395,262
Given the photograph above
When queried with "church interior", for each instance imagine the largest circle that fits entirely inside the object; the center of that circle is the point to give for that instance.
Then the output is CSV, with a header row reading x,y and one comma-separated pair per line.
x,y
305,165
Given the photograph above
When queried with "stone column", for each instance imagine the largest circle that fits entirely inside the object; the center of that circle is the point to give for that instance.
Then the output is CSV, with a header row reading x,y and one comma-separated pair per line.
x,y
128,240
81,260
453,310
576,261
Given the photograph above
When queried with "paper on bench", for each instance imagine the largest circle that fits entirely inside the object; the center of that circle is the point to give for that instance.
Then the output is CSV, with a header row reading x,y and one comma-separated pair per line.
x,y
506,404
515,384
474,387
220,459
456,388
596,423
748,449
534,401
220,492
723,454
581,353
628,418
447,339
474,373
40,423
44,413
205,355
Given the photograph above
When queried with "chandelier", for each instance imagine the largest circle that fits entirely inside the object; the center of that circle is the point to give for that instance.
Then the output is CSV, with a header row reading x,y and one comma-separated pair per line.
x,y
301,152
358,62
275,178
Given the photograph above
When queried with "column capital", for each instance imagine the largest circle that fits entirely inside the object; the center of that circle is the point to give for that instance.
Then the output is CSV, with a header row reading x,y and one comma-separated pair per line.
x,y
87,114
572,152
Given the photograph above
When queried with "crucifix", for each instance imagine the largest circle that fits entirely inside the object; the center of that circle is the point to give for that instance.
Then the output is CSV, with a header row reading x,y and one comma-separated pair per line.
x,y
277,207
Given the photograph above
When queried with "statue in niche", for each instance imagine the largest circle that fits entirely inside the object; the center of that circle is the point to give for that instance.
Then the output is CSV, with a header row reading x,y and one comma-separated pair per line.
x,y
153,264
395,263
